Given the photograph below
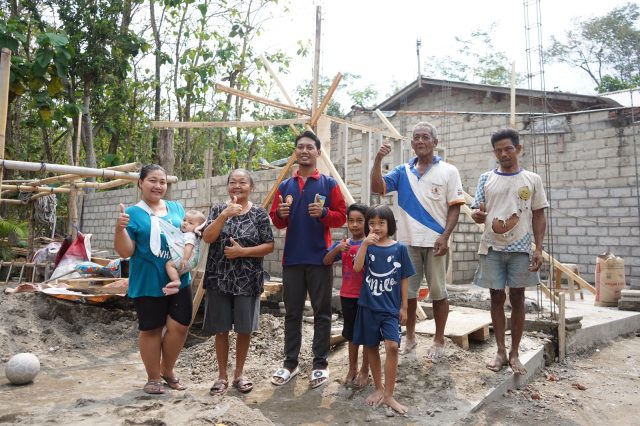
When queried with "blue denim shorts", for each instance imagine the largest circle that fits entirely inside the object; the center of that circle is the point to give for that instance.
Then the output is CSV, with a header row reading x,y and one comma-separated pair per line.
x,y
498,269
373,327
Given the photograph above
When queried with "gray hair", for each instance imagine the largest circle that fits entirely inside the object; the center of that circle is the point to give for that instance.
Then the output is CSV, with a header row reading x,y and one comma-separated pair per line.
x,y
426,126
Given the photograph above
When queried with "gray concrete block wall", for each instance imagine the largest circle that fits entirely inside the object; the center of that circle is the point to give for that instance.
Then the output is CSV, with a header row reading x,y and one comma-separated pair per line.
x,y
593,182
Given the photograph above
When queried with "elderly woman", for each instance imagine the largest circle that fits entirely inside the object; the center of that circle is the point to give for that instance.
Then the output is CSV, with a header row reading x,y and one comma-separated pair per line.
x,y
240,236
137,235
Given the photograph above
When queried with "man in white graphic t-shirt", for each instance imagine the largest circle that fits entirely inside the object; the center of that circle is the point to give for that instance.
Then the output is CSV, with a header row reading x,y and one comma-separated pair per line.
x,y
510,201
429,196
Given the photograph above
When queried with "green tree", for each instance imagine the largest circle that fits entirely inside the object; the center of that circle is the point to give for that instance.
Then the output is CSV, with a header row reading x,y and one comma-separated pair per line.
x,y
606,48
476,61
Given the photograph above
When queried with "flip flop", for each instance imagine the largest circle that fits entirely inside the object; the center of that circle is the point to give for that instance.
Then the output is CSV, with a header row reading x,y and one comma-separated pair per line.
x,y
322,377
285,375
243,384
219,387
174,383
153,387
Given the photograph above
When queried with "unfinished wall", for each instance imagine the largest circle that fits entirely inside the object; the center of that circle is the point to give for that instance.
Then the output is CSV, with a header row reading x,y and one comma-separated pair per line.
x,y
593,180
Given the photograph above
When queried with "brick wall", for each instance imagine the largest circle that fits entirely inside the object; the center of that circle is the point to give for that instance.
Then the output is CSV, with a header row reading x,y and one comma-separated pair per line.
x,y
591,165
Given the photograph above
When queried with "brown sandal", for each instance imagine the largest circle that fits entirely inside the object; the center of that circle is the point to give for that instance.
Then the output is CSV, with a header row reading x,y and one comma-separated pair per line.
x,y
153,387
243,384
219,387
174,383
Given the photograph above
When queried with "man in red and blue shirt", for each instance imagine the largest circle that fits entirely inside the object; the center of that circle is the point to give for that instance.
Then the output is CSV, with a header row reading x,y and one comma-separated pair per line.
x,y
308,204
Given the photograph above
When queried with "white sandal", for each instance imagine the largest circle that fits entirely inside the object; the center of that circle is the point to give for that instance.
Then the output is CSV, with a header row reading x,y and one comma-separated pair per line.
x,y
285,375
321,375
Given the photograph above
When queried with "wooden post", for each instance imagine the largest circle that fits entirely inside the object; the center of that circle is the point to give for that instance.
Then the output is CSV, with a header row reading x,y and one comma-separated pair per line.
x,y
5,71
73,210
208,162
512,118
165,154
365,194
562,330
316,62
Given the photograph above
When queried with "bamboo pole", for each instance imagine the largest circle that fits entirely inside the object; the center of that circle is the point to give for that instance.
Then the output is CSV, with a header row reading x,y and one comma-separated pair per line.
x,y
102,185
81,171
5,73
323,105
72,204
11,201
269,68
316,65
362,127
29,188
129,167
225,124
261,100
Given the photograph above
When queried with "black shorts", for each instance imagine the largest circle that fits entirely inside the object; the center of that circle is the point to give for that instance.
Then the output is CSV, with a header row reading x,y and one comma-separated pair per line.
x,y
152,311
349,311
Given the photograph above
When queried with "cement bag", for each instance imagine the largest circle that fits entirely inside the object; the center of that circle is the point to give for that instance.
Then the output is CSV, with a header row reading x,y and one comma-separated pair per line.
x,y
610,279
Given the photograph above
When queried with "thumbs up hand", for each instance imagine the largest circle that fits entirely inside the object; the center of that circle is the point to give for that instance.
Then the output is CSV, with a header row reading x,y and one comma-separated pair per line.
x,y
283,208
233,251
344,245
123,218
479,215
233,208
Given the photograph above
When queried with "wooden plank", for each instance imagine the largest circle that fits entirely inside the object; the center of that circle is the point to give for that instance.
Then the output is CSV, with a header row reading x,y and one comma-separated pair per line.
x,y
5,73
334,173
325,101
227,124
388,124
285,170
197,279
367,161
548,293
562,331
363,128
462,324
261,100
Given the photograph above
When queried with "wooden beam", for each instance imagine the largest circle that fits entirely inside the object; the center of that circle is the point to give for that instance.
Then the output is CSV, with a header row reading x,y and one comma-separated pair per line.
x,y
388,124
549,294
283,90
323,105
226,124
103,185
363,128
11,201
562,329
261,100
285,170
5,72
345,191
80,171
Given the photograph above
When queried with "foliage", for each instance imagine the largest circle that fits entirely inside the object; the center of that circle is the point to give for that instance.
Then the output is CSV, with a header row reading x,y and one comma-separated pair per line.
x,y
476,61
607,48
10,230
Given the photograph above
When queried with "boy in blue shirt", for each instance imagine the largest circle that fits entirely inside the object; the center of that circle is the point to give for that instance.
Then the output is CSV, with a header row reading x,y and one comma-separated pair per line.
x,y
382,306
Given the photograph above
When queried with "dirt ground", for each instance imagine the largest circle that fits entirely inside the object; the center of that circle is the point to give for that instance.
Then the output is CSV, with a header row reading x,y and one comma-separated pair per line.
x,y
91,374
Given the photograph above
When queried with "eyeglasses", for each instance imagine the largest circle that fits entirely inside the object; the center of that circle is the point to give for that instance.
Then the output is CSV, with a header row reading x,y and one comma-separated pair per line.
x,y
422,138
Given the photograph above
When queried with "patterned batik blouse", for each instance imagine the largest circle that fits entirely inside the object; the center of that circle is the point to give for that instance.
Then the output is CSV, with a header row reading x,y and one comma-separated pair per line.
x,y
242,276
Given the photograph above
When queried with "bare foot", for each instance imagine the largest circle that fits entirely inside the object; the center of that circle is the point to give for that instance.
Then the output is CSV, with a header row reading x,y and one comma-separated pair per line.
x,y
407,346
498,363
436,352
375,398
395,405
362,380
351,376
516,365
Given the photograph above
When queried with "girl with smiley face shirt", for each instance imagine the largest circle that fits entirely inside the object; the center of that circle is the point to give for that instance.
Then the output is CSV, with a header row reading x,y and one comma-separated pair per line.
x,y
382,305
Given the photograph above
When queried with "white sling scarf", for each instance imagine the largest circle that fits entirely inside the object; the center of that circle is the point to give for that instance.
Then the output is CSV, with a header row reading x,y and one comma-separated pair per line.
x,y
158,226
154,235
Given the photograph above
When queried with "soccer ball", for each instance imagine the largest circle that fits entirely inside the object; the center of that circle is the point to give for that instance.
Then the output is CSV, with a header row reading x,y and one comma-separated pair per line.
x,y
22,368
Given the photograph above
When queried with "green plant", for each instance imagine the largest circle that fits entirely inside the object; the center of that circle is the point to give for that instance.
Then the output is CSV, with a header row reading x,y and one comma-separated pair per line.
x,y
10,233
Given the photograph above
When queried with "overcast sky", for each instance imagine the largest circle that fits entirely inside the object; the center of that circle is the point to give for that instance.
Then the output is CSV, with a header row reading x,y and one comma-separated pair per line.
x,y
377,39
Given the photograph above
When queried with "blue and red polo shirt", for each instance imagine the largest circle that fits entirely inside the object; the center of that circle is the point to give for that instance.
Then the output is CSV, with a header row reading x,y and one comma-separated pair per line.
x,y
308,238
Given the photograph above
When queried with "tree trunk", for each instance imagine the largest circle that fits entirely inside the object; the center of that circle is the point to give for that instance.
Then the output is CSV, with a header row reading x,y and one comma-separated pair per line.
x,y
165,153
87,127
